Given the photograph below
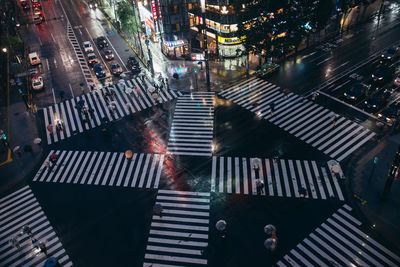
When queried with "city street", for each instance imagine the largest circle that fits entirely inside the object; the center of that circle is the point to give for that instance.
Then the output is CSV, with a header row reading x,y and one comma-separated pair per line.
x,y
137,170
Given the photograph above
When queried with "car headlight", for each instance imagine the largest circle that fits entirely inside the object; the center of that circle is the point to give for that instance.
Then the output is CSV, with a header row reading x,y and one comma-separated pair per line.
x,y
352,97
345,94
374,106
379,115
380,78
389,57
365,102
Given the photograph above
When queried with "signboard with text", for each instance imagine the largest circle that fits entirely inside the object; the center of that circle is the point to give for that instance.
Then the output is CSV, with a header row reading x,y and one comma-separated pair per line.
x,y
154,9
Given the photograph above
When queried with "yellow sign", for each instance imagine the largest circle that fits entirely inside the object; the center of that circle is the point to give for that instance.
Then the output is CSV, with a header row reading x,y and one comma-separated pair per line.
x,y
232,40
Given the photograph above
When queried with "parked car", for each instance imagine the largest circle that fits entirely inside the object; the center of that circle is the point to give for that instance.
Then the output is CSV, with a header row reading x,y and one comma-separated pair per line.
x,y
378,100
101,42
87,47
390,113
115,68
37,83
355,92
34,58
92,59
38,19
99,70
108,54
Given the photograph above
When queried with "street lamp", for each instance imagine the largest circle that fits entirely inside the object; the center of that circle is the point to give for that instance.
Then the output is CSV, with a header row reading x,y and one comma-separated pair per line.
x,y
4,49
203,14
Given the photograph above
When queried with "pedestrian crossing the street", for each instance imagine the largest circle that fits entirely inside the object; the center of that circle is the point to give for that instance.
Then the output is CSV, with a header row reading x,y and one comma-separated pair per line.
x,y
330,133
279,177
102,105
192,126
26,236
339,241
103,168
179,233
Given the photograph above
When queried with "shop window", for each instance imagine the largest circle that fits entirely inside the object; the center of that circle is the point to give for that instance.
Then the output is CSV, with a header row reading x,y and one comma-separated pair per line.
x,y
178,27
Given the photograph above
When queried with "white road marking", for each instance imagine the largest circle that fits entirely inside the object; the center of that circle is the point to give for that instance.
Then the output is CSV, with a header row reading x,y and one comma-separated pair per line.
x,y
54,40
70,88
48,65
54,96
319,63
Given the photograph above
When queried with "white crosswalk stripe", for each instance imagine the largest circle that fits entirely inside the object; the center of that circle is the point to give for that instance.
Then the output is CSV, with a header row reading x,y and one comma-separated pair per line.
x,y
192,125
179,234
281,177
301,117
102,105
20,209
339,241
103,168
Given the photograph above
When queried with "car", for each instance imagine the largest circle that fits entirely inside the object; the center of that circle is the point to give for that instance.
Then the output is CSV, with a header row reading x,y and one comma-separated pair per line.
x,y
37,5
132,61
92,59
87,47
37,83
99,71
390,53
37,11
92,4
101,42
34,58
24,5
390,113
35,1
381,75
134,69
38,19
377,100
108,54
267,69
397,81
355,92
115,68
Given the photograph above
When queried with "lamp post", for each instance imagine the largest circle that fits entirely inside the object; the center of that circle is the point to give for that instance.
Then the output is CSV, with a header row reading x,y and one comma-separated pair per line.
x,y
203,14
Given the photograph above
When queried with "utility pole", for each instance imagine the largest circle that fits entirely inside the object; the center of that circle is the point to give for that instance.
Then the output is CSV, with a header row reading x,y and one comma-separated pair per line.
x,y
391,175
205,47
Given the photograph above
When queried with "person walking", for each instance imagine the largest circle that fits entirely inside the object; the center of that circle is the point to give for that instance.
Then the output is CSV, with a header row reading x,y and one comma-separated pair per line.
x,y
259,186
335,121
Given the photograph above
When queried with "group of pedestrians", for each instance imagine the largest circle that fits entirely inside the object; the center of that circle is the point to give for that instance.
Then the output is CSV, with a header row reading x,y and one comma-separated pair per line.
x,y
26,230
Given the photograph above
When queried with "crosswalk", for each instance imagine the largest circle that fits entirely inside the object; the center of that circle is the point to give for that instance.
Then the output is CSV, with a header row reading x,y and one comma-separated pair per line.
x,y
179,236
281,177
20,209
103,168
300,117
339,241
102,105
192,126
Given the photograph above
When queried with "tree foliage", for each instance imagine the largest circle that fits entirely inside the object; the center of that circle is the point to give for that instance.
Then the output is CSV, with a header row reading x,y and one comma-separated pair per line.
x,y
275,28
126,15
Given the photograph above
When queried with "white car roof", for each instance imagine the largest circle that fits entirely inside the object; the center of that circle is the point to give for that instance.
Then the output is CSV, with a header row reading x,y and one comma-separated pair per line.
x,y
87,43
91,55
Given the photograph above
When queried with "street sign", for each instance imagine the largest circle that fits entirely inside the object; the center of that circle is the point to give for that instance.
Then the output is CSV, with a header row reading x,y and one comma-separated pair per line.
x,y
147,41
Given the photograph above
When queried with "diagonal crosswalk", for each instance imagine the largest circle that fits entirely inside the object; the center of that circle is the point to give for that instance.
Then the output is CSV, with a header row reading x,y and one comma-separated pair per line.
x,y
179,234
102,105
300,117
281,177
192,125
20,209
340,241
103,168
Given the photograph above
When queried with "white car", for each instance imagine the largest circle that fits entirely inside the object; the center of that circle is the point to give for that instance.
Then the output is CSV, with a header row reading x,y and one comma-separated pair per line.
x,y
37,83
397,81
87,47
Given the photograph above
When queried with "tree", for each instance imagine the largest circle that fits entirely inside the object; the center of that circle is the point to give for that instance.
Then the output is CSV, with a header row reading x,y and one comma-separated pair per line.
x,y
126,15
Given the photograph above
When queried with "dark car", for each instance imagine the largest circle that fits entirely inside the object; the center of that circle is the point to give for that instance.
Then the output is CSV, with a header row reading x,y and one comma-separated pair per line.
x,y
101,42
267,69
132,61
99,71
381,75
378,100
390,113
25,5
108,54
116,68
390,53
355,92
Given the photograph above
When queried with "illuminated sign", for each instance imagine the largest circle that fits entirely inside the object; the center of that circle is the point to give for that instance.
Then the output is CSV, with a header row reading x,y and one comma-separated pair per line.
x,y
233,40
174,43
154,9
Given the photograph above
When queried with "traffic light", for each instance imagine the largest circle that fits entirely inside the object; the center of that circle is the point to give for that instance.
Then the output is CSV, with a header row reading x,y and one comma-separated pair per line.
x,y
195,71
4,137
375,160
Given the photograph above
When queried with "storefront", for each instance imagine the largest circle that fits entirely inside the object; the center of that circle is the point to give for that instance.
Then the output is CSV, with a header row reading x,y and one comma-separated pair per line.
x,y
175,49
230,47
149,20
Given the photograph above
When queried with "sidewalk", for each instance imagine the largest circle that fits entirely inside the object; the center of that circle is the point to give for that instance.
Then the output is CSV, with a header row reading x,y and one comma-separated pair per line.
x,y
383,216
